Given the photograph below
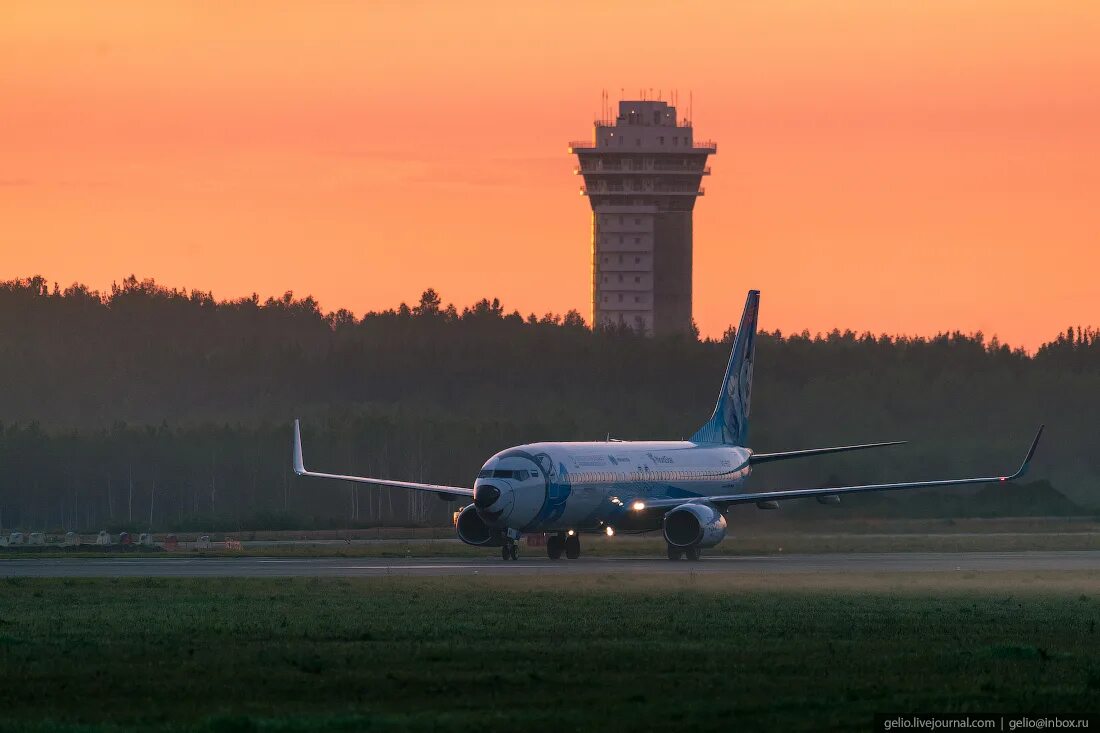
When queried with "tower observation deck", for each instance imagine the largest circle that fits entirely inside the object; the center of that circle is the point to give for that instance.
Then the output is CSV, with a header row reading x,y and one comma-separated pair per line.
x,y
641,175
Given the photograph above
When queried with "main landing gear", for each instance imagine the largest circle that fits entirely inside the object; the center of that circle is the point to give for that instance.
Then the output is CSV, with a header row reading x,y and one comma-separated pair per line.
x,y
570,544
509,550
677,553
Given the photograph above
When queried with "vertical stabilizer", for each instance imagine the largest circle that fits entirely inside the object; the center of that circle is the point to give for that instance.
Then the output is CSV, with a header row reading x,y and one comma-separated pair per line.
x,y
730,422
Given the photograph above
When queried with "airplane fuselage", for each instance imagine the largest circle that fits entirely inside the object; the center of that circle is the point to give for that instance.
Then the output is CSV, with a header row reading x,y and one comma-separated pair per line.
x,y
544,487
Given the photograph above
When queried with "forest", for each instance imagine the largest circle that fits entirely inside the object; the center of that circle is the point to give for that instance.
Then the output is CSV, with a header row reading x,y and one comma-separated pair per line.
x,y
164,408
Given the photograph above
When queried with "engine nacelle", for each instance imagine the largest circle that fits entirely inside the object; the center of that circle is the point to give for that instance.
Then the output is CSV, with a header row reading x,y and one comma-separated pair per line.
x,y
694,525
473,531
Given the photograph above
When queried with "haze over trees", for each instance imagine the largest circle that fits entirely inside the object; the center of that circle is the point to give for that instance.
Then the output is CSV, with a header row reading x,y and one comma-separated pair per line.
x,y
149,406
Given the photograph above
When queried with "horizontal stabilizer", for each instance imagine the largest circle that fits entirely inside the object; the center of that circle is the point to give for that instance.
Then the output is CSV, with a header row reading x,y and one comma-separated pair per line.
x,y
757,458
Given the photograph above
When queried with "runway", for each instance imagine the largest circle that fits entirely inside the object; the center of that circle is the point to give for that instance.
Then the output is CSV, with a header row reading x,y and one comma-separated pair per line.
x,y
255,567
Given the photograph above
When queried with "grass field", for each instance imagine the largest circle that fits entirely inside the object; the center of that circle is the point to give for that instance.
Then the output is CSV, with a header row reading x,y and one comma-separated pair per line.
x,y
762,538
715,652
648,546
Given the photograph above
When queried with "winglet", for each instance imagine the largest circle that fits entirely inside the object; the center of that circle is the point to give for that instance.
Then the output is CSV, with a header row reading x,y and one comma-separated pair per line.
x,y
1027,460
298,463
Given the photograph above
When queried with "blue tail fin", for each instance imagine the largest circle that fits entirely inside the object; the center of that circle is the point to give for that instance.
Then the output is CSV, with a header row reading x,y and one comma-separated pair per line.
x,y
730,422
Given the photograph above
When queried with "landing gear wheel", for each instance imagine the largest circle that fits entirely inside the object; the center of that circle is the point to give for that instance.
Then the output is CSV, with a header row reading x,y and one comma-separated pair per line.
x,y
572,547
555,545
515,551
693,553
675,553
505,552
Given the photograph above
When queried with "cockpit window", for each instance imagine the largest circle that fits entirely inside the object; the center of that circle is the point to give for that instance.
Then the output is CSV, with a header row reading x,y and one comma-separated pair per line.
x,y
518,475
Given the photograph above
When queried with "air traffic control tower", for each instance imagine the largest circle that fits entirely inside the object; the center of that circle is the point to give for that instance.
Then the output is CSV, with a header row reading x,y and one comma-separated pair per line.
x,y
641,175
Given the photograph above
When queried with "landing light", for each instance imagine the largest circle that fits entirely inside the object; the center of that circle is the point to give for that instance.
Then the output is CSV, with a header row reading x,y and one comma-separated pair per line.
x,y
610,531
638,506
571,533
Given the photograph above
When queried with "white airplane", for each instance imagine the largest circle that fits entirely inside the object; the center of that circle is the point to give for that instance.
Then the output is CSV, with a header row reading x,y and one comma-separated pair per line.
x,y
680,487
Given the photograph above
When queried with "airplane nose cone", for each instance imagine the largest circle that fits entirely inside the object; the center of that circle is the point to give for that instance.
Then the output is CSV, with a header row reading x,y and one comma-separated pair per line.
x,y
485,496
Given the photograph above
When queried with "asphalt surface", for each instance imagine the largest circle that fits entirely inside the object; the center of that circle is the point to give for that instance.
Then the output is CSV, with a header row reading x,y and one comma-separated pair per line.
x,y
255,567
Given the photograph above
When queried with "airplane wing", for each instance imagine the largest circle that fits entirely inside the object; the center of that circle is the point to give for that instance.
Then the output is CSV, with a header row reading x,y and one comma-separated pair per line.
x,y
446,492
756,458
762,496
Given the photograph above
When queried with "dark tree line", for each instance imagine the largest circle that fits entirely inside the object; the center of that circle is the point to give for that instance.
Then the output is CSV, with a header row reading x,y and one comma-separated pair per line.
x,y
153,406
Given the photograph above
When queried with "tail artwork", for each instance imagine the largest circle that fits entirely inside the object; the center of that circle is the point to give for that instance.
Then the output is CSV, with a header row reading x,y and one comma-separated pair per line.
x,y
730,422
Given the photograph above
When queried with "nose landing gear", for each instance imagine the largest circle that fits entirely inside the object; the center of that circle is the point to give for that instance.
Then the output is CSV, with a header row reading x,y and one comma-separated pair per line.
x,y
509,550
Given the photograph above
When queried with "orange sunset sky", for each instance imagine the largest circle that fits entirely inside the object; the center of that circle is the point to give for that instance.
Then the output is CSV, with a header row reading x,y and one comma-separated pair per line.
x,y
902,167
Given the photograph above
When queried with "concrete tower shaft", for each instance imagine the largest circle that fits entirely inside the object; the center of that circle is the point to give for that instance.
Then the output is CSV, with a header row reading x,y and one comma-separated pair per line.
x,y
642,175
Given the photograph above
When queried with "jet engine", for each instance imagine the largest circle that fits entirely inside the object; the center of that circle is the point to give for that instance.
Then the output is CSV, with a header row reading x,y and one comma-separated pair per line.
x,y
695,525
473,531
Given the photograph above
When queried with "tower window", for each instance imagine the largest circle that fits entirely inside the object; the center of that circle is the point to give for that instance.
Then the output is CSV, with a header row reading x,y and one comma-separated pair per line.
x,y
637,220
637,240
637,260
620,259
637,299
637,278
620,277
620,297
